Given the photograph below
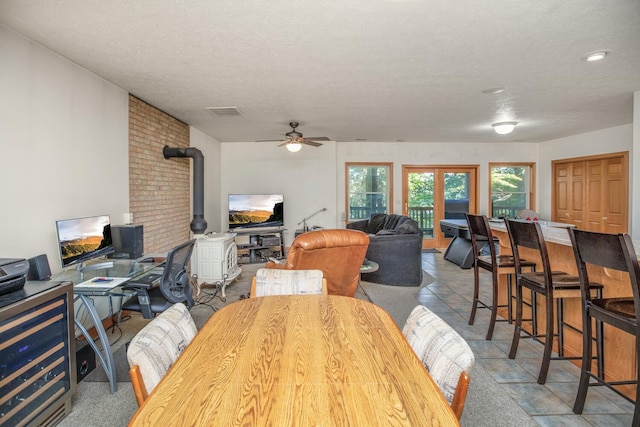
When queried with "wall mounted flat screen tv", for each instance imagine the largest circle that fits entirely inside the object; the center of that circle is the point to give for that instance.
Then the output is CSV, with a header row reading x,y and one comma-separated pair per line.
x,y
256,210
82,239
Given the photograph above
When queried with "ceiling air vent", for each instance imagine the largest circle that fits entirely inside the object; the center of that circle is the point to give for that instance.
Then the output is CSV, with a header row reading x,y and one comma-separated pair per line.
x,y
224,111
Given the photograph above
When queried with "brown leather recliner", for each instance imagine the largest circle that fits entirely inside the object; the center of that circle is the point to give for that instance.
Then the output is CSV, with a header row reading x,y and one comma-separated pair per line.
x,y
338,253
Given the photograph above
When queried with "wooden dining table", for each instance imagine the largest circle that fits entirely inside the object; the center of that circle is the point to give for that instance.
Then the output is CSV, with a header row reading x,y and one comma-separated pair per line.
x,y
297,360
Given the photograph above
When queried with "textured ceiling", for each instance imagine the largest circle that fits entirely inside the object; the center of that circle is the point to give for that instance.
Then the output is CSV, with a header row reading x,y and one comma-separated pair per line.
x,y
379,70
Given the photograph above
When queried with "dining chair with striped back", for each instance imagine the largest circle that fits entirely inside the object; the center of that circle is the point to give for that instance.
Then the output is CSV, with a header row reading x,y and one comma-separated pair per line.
x,y
269,281
154,349
443,352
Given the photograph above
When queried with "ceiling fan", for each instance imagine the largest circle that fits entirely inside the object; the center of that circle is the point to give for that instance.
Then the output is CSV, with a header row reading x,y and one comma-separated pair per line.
x,y
294,139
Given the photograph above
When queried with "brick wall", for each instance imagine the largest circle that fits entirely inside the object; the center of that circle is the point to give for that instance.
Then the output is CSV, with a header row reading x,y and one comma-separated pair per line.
x,y
159,188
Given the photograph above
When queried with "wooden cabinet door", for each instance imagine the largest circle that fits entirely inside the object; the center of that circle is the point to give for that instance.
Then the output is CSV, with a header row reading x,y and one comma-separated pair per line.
x,y
592,193
615,200
595,188
562,186
569,193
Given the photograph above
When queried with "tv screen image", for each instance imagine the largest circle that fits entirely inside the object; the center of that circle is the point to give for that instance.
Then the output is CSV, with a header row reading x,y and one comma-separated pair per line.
x,y
81,239
256,210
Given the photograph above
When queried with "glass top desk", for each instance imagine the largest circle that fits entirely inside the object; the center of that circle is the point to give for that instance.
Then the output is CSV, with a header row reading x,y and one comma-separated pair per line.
x,y
110,268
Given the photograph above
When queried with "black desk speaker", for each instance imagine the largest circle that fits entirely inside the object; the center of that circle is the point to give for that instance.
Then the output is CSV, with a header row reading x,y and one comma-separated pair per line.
x,y
39,268
128,241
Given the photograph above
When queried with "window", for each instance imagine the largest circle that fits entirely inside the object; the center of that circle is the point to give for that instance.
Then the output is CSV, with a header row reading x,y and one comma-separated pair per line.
x,y
368,189
511,187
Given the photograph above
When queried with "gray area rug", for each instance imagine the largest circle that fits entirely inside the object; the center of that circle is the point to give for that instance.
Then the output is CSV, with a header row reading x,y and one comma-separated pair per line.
x,y
487,404
430,251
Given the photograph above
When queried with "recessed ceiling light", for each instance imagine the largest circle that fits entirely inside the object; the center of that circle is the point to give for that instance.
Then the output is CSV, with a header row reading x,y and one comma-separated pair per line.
x,y
595,56
504,128
493,90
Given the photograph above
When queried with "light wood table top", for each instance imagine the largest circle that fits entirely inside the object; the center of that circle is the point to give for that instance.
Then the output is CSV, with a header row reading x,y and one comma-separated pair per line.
x,y
297,361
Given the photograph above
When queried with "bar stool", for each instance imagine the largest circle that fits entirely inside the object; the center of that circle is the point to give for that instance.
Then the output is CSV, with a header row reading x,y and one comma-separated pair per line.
x,y
616,252
480,231
553,285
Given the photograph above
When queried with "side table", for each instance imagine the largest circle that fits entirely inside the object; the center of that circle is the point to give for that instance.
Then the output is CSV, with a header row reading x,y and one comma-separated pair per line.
x,y
367,267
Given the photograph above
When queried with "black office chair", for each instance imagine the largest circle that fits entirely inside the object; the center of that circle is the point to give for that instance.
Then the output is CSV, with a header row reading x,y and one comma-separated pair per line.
x,y
613,252
174,285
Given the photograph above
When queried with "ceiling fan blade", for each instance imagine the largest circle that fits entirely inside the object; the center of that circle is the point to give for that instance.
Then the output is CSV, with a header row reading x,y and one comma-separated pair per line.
x,y
311,143
318,138
283,142
268,140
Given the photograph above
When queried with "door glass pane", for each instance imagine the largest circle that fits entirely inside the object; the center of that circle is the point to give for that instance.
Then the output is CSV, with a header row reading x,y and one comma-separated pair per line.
x,y
456,195
368,191
509,190
420,196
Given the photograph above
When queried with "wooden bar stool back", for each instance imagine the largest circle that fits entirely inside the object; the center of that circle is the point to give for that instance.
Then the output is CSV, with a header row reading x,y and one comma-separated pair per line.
x,y
553,285
615,252
481,235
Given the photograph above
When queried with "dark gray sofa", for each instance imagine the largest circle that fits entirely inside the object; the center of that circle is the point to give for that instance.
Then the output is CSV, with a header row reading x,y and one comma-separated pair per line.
x,y
396,245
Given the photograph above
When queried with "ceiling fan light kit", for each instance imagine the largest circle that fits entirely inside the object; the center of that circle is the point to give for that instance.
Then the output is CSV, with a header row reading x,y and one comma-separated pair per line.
x,y
294,147
294,139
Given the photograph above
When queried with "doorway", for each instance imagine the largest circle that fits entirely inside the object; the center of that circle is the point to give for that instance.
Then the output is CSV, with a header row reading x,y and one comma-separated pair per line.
x,y
432,193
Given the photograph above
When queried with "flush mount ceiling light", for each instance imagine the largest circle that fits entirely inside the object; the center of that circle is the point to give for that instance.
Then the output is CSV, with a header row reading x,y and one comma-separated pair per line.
x,y
504,128
294,147
493,91
595,56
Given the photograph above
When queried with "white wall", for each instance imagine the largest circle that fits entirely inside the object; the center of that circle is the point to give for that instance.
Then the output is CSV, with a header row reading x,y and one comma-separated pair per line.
x,y
635,166
210,148
306,178
612,140
63,144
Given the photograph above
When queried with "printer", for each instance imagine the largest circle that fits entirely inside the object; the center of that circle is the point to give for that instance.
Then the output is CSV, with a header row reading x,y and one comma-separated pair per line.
x,y
13,274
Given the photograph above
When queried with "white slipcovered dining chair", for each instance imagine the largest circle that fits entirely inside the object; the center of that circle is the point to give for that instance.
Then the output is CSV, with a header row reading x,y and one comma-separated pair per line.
x,y
443,352
157,346
268,281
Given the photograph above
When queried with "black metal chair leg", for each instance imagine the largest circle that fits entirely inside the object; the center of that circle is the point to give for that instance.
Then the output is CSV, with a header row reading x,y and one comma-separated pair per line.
x,y
587,357
548,340
560,314
518,327
476,294
509,298
494,309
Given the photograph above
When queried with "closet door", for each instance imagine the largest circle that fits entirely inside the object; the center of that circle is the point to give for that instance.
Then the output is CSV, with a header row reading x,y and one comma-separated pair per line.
x,y
592,193
615,200
569,197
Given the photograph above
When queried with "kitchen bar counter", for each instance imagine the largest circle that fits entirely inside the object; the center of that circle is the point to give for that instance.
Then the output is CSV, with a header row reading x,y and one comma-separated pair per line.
x,y
553,232
619,346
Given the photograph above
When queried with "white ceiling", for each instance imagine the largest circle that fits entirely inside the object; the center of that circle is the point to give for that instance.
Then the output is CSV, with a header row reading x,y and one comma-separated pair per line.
x,y
380,70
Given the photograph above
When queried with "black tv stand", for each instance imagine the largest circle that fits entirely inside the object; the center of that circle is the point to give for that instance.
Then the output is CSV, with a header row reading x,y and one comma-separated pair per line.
x,y
259,244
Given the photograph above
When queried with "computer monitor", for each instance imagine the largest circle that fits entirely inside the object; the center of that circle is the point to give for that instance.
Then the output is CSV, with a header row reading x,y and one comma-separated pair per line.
x,y
82,239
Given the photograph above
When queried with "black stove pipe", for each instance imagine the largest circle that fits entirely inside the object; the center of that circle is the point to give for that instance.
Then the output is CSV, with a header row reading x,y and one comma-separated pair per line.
x,y
198,223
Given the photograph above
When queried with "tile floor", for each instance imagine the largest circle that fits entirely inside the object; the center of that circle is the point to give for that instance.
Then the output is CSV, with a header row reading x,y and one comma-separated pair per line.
x,y
549,404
